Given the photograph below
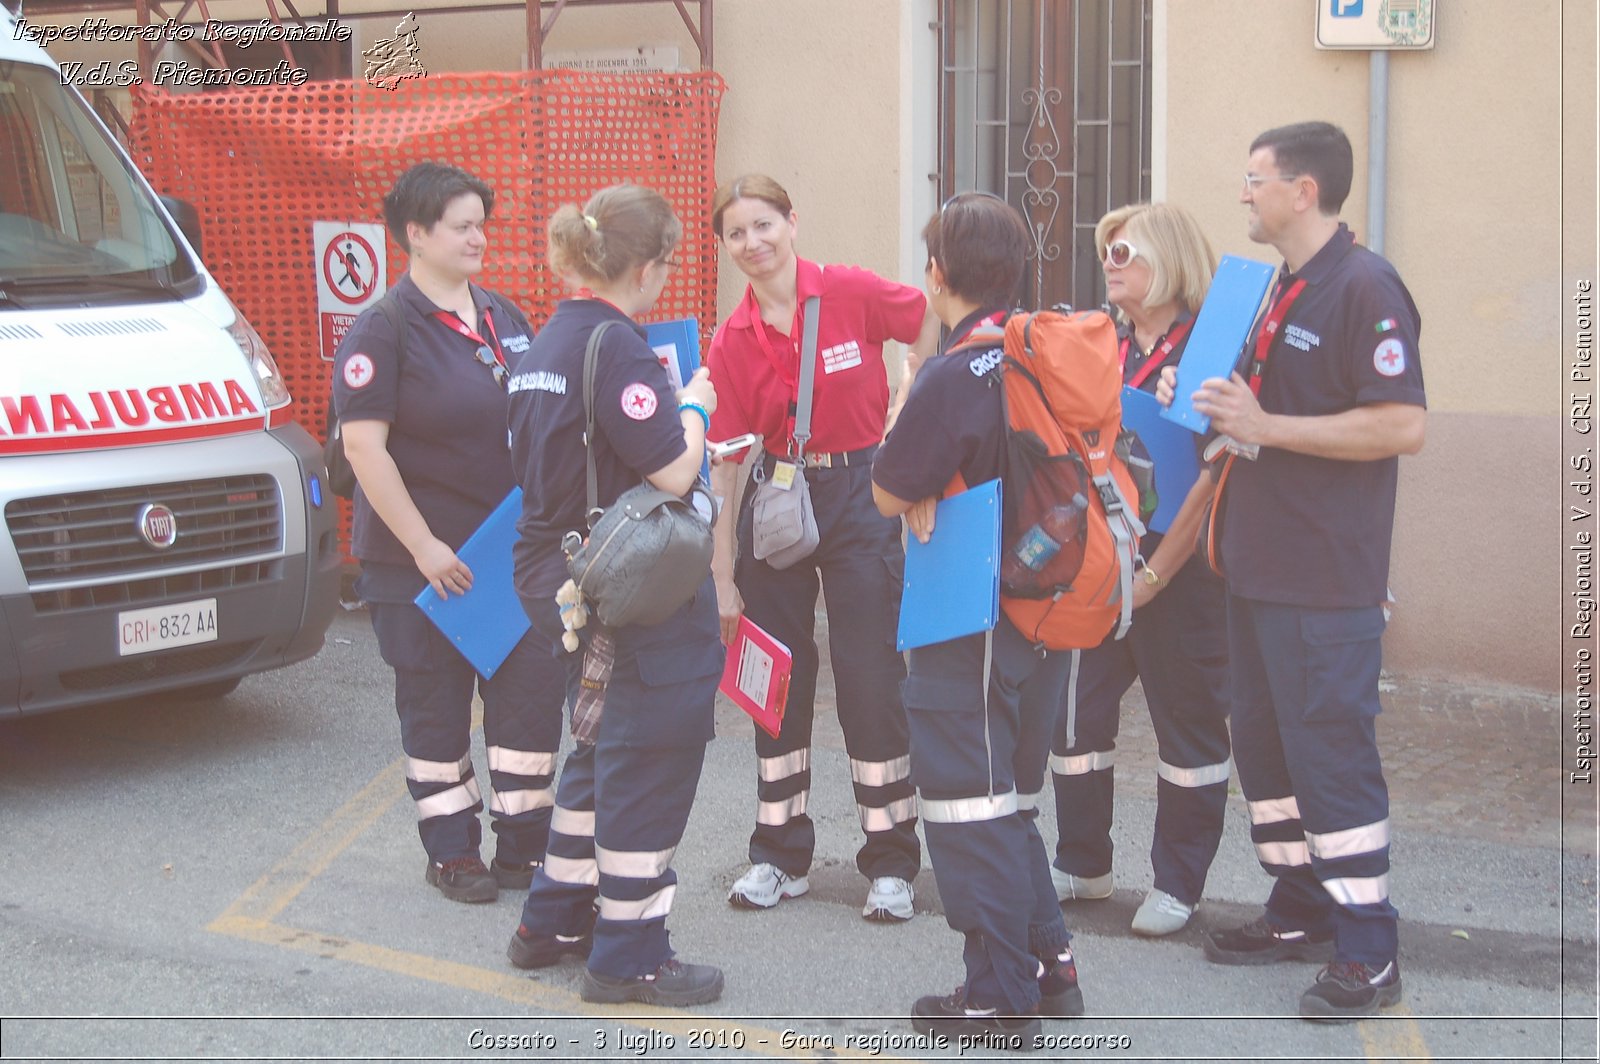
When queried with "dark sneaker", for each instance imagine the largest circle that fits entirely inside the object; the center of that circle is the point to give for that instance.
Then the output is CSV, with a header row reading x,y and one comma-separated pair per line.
x,y
674,984
1345,990
953,1018
463,879
1258,942
513,876
1059,996
528,950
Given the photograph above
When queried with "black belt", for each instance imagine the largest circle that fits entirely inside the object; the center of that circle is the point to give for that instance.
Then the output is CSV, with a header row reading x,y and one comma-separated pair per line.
x,y
828,460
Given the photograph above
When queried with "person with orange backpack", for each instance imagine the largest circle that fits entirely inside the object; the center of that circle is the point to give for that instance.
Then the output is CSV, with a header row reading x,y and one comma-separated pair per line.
x,y
1158,265
981,708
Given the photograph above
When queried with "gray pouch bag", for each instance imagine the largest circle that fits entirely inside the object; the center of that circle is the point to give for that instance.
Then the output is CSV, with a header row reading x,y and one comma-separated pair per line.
x,y
648,552
783,524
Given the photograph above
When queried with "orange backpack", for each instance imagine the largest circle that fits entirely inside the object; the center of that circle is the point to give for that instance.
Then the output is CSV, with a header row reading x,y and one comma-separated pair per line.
x,y
1070,538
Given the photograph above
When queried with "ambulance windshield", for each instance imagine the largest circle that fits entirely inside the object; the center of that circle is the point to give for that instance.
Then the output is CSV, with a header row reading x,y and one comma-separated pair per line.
x,y
73,214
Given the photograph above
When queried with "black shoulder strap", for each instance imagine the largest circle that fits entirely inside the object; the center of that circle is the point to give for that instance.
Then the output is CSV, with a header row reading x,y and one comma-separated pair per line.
x,y
591,477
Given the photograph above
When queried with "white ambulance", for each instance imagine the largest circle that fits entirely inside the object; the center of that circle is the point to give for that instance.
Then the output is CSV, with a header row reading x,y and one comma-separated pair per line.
x,y
166,524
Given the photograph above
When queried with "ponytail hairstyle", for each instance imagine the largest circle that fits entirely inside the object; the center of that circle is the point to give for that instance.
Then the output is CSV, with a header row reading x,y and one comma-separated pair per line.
x,y
621,228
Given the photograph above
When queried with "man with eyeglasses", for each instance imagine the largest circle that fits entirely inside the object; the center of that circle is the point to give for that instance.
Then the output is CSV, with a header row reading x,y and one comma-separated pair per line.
x,y
1332,395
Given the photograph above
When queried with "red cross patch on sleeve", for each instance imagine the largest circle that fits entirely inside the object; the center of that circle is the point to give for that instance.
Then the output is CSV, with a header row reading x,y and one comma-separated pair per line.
x,y
639,401
358,371
1389,357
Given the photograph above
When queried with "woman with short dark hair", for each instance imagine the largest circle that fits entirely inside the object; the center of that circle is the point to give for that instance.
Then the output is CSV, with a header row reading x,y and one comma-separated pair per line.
x,y
978,754
419,384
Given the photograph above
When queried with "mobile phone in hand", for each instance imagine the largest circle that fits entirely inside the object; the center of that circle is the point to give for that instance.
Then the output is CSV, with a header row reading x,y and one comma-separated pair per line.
x,y
733,446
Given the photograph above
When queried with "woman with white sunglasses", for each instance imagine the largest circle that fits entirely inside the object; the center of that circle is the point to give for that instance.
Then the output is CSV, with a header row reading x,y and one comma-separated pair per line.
x,y
1157,266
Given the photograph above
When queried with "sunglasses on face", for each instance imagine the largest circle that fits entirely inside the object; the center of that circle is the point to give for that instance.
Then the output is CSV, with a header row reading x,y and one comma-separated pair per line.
x,y
1119,254
486,356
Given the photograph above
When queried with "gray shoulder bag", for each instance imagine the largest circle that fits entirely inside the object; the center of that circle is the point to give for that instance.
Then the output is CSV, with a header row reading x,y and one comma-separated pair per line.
x,y
648,552
783,524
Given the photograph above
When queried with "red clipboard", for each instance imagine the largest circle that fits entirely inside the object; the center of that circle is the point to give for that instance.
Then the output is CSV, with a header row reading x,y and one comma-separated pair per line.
x,y
756,676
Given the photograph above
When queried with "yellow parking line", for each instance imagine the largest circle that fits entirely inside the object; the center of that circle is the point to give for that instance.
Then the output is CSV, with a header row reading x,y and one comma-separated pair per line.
x,y
272,893
1396,1036
516,989
251,917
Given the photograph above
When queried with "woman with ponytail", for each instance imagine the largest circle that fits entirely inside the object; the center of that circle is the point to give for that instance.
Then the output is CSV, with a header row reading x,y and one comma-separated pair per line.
x,y
607,883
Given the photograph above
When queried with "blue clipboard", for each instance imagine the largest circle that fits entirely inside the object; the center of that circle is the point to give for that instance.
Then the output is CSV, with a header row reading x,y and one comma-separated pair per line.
x,y
488,621
1171,448
952,584
1220,332
677,344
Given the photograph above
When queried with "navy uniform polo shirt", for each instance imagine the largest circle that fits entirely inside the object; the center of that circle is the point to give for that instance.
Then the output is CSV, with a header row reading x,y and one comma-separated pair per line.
x,y
637,429
447,425
951,423
1315,532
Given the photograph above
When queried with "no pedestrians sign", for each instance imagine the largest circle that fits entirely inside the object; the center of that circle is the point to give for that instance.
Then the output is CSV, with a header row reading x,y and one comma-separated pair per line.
x,y
351,268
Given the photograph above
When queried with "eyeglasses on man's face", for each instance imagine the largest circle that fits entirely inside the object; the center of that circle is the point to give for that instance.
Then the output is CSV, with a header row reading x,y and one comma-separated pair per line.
x,y
1255,181
486,356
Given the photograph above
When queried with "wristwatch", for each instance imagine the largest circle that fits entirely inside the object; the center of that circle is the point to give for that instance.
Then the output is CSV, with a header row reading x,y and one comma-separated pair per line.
x,y
1151,577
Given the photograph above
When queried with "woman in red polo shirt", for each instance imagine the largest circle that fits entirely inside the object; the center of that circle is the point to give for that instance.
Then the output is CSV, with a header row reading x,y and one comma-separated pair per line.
x,y
858,563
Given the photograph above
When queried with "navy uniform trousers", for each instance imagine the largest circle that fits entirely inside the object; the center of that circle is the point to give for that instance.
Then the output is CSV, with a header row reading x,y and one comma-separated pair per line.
x,y
980,773
861,567
624,800
522,720
1177,646
1305,705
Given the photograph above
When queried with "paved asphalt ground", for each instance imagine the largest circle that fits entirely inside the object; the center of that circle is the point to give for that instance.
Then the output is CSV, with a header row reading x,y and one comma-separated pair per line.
x,y
241,880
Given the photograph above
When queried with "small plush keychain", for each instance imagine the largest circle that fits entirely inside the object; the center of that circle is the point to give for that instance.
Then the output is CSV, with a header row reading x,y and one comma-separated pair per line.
x,y
574,614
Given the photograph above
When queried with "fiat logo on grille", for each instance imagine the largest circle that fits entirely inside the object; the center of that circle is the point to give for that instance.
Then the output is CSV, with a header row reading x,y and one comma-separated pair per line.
x,y
158,525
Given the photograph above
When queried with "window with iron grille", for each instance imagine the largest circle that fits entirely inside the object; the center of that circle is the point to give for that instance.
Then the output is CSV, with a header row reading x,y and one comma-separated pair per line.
x,y
1047,103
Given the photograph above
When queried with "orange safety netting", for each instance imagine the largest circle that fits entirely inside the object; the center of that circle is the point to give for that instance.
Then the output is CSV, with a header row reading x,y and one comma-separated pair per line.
x,y
260,165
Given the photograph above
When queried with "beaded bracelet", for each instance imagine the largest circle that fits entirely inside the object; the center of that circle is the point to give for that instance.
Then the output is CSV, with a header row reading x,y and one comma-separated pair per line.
x,y
697,407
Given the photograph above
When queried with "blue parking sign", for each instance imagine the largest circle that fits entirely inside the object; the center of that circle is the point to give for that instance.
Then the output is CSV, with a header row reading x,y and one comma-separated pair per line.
x,y
1345,8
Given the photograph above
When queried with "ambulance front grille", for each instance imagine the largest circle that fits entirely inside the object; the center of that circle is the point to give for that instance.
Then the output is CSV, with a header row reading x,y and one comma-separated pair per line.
x,y
79,548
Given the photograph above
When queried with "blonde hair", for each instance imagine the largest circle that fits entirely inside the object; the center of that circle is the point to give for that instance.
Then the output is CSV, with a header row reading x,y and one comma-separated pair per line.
x,y
620,228
1171,242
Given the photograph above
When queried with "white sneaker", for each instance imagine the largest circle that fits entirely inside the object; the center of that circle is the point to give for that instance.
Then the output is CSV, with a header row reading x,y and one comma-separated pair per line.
x,y
889,901
1080,888
1161,914
764,886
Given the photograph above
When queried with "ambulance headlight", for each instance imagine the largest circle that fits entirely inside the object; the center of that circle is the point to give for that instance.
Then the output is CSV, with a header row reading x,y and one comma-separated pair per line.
x,y
274,393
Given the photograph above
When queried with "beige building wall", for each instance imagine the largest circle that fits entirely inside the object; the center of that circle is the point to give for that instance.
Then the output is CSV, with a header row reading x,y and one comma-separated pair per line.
x,y
1491,220
1481,131
816,108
